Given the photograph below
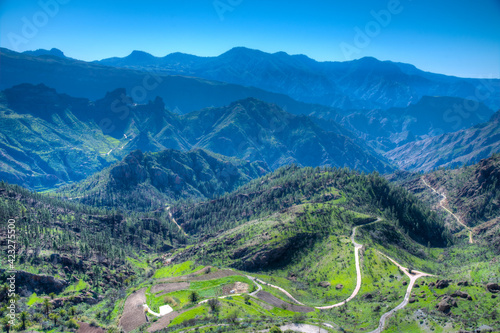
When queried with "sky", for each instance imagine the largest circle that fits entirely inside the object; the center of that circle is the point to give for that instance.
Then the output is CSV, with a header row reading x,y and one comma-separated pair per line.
x,y
453,37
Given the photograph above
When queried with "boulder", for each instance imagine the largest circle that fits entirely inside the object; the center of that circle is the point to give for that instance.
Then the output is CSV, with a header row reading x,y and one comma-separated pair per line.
x,y
446,304
461,294
412,300
339,286
368,296
493,287
324,284
441,284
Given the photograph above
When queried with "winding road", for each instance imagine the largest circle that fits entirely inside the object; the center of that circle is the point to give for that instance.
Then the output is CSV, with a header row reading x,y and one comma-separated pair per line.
x,y
414,276
173,220
441,203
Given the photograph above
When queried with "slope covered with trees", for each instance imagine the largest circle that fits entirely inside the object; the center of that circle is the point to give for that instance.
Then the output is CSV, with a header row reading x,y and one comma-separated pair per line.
x,y
291,186
148,181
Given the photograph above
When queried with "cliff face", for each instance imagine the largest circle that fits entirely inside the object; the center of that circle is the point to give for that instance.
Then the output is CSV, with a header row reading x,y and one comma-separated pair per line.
x,y
34,283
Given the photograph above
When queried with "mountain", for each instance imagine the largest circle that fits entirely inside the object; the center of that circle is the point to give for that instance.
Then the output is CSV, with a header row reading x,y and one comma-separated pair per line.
x,y
92,81
254,130
430,116
451,149
46,139
49,139
366,83
42,52
149,181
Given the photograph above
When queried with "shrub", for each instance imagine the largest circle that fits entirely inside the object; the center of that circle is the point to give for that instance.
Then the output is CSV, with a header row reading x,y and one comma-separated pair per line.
x,y
72,323
194,297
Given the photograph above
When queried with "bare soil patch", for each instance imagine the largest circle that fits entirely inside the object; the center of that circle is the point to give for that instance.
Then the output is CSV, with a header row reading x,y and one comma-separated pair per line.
x,y
165,320
238,287
133,312
169,287
87,328
276,302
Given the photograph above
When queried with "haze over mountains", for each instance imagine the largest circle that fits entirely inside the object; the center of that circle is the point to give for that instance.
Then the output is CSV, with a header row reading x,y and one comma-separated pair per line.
x,y
382,108
364,83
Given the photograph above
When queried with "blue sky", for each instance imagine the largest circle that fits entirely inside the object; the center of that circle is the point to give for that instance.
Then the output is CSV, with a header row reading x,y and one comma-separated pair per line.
x,y
455,37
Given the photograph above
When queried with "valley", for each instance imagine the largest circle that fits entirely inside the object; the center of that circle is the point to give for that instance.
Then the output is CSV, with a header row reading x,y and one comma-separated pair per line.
x,y
246,192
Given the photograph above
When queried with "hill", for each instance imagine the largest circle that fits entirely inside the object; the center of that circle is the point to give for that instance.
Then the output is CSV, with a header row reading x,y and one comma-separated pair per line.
x,y
365,83
325,247
471,192
450,149
149,181
291,186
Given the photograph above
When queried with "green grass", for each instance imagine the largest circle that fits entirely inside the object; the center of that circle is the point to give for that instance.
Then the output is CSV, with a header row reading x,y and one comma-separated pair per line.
x,y
331,260
198,311
76,287
137,264
187,267
34,299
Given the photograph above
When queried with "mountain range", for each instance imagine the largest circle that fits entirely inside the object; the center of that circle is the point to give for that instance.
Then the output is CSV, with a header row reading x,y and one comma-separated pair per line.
x,y
227,194
181,94
366,83
44,132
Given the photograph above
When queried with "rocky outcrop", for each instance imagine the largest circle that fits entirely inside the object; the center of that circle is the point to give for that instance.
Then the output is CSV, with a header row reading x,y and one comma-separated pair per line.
x,y
460,293
446,304
41,284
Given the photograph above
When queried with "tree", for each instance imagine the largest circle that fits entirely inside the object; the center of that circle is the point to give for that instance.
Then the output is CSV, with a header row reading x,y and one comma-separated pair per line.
x,y
72,310
47,306
6,324
275,329
214,305
194,297
54,317
24,317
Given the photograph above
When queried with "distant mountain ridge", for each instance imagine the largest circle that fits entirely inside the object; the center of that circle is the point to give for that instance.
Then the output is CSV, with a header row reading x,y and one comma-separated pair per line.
x,y
430,116
364,83
451,149
92,81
